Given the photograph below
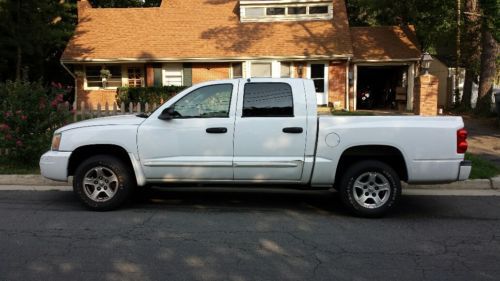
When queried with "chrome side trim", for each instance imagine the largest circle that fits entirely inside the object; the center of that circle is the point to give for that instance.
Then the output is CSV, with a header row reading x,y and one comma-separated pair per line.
x,y
268,164
186,164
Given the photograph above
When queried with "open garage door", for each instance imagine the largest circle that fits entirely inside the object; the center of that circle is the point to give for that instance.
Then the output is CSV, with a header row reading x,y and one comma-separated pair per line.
x,y
382,87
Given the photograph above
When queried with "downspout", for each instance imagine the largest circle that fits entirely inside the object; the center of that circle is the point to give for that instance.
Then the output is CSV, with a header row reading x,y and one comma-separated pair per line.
x,y
72,75
347,83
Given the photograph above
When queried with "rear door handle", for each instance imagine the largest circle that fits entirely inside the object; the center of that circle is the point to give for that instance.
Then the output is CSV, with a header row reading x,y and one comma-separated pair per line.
x,y
293,130
219,130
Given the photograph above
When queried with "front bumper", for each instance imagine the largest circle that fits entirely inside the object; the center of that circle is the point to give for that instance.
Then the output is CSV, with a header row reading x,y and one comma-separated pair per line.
x,y
465,169
54,165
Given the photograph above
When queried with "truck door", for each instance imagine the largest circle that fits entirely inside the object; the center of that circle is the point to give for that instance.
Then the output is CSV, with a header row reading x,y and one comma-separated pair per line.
x,y
270,131
197,144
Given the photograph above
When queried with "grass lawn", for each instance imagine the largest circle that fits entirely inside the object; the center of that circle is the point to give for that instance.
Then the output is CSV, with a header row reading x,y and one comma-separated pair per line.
x,y
482,168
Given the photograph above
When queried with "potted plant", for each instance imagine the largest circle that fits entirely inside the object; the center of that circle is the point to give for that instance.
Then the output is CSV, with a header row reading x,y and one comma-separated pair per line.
x,y
105,75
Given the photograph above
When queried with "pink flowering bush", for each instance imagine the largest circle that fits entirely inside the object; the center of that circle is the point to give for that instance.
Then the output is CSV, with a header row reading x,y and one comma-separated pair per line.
x,y
29,114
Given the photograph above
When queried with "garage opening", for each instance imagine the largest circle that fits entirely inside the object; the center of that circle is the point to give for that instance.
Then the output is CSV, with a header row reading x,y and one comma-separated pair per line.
x,y
382,87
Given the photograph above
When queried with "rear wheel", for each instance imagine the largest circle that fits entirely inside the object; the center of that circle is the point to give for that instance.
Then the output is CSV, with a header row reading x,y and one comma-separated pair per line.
x,y
103,182
370,188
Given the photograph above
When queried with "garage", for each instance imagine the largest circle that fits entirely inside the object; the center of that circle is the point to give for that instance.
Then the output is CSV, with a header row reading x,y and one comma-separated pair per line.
x,y
385,63
381,87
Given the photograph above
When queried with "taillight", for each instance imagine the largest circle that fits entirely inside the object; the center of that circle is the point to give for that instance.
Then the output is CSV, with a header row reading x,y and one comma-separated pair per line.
x,y
462,141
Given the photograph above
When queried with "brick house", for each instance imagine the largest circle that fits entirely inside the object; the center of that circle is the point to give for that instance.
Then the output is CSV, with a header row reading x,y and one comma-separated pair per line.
x,y
184,42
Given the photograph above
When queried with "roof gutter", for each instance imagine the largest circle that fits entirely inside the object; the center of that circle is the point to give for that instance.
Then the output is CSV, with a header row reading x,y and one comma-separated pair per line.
x,y
385,60
347,66
221,59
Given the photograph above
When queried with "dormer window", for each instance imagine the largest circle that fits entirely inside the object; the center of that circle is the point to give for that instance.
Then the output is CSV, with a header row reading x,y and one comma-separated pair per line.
x,y
290,10
275,11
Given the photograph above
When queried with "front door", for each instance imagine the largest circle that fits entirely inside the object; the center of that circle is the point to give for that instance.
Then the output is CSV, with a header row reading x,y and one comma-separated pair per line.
x,y
197,144
318,72
270,133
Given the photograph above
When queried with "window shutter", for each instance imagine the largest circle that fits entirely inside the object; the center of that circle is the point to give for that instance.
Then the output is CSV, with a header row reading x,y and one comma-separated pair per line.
x,y
187,74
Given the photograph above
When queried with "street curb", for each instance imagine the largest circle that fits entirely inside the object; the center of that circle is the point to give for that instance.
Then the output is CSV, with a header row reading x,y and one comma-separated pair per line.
x,y
481,184
30,180
495,182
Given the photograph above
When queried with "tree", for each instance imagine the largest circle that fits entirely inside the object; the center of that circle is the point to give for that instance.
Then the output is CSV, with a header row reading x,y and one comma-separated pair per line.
x,y
489,44
434,19
32,33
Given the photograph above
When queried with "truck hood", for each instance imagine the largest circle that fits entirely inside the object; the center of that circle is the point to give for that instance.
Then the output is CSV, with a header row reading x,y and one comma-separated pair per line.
x,y
104,121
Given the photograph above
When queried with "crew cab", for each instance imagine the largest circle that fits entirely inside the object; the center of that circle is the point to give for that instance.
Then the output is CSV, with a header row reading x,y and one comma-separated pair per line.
x,y
258,131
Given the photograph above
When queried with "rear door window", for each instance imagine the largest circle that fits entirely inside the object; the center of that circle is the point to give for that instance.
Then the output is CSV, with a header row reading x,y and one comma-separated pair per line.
x,y
267,100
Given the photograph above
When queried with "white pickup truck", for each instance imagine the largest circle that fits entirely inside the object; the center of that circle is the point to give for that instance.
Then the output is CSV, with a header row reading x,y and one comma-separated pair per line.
x,y
257,131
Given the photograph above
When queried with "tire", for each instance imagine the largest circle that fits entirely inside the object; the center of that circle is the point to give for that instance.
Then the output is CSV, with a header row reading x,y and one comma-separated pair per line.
x,y
370,188
103,183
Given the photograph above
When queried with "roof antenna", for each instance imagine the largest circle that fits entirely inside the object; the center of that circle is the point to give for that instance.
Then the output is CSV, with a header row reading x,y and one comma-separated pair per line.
x,y
248,80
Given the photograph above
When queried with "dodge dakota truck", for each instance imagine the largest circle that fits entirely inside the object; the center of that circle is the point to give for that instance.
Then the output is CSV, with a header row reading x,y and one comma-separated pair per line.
x,y
258,131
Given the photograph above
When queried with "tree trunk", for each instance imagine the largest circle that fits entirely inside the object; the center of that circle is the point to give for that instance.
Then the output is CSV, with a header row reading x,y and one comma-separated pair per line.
x,y
471,49
19,51
19,60
467,94
488,71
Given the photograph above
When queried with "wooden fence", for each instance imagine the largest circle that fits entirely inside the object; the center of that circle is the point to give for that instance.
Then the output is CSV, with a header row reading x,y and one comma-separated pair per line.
x,y
88,110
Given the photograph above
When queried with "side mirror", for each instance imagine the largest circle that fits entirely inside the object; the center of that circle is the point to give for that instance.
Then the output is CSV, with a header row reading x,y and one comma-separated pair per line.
x,y
167,114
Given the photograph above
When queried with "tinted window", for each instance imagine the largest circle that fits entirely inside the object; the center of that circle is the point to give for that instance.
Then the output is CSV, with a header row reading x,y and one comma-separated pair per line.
x,y
206,102
267,100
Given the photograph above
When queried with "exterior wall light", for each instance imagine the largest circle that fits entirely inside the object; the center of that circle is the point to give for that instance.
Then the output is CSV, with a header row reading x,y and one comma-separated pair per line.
x,y
426,63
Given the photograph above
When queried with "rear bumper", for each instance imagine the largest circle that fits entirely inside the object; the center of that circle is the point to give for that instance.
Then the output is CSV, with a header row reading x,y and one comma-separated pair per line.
x,y
465,169
54,165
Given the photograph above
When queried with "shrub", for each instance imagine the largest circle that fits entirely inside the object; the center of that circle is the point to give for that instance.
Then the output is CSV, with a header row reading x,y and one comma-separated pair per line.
x,y
150,95
29,114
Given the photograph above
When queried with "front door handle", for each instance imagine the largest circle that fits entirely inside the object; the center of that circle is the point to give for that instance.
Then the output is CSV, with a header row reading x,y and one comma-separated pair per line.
x,y
219,130
293,130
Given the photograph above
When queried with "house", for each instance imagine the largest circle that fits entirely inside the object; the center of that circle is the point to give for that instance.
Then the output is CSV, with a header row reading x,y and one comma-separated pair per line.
x,y
184,42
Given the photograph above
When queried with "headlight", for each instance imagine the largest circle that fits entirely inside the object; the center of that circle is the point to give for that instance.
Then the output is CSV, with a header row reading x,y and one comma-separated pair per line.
x,y
56,141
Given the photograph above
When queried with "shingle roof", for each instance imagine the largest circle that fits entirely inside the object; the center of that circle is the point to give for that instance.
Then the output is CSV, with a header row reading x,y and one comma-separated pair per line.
x,y
385,43
196,29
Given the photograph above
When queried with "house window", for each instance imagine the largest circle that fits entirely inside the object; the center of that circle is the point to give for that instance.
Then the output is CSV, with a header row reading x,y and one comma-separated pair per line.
x,y
134,77
318,10
285,70
267,100
237,70
297,10
261,69
254,12
94,76
275,11
173,74
289,10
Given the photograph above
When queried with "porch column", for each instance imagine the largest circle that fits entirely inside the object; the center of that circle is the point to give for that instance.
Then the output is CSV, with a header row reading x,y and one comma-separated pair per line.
x,y
410,87
426,95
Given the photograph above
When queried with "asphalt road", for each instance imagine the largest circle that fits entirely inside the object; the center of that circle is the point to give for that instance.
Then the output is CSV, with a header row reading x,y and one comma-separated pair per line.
x,y
247,235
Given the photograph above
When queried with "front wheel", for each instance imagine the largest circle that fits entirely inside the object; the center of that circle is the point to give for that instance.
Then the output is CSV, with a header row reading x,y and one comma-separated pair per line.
x,y
103,182
370,188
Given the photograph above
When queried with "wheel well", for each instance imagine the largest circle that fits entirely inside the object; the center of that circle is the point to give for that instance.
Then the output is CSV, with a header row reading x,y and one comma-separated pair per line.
x,y
84,152
387,154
